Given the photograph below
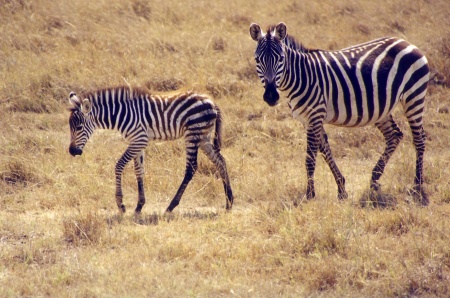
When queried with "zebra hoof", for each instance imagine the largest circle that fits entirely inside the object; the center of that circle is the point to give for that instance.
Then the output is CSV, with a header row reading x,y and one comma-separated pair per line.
x,y
420,196
377,199
229,206
342,196
375,186
138,208
122,208
424,199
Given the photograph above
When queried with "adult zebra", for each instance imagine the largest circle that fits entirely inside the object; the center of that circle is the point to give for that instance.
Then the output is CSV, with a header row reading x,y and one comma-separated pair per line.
x,y
356,86
140,117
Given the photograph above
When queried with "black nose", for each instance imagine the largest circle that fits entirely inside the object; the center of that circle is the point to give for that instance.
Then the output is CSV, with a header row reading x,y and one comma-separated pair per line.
x,y
75,151
271,95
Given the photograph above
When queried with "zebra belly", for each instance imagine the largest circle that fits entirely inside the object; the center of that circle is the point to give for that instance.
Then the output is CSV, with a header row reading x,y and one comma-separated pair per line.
x,y
162,134
355,120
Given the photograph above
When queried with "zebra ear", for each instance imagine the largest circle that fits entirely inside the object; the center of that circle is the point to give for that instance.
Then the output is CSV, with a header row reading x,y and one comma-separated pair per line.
x,y
280,31
73,100
255,32
86,106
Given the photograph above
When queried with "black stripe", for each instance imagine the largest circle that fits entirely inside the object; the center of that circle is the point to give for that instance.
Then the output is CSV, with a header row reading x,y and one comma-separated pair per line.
x,y
107,109
366,73
344,86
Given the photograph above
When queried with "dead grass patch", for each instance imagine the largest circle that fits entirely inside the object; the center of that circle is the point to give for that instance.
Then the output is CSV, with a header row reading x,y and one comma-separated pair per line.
x,y
84,229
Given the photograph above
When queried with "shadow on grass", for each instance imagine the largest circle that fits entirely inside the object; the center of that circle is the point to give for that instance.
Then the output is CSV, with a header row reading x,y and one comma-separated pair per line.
x,y
377,199
155,218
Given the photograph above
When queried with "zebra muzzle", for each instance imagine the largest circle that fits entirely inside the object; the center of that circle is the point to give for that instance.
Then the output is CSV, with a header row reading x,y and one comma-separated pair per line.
x,y
271,95
75,151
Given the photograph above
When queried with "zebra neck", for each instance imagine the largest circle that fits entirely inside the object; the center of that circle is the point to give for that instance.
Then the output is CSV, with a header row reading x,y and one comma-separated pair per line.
x,y
299,76
111,113
96,116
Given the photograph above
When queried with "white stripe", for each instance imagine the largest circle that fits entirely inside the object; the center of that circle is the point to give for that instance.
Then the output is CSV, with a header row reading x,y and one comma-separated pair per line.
x,y
365,114
342,110
376,66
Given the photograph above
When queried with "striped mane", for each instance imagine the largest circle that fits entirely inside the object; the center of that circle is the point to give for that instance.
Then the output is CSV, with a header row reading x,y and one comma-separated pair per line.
x,y
135,91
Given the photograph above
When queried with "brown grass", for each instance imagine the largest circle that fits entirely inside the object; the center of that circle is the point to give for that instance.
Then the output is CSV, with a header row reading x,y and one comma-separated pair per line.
x,y
60,232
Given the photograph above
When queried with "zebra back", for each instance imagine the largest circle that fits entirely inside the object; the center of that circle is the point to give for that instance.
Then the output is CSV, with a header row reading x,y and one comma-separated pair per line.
x,y
137,113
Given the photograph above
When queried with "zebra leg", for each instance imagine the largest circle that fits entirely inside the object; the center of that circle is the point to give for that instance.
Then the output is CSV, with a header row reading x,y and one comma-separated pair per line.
x,y
392,136
191,168
128,155
218,160
139,171
313,142
419,142
326,152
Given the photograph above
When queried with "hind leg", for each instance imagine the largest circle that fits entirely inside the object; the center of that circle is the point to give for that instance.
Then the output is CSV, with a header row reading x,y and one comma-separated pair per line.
x,y
392,136
139,171
218,160
415,122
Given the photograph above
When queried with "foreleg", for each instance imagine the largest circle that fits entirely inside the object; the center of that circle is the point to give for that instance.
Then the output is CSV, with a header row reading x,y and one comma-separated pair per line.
x,y
326,151
129,154
313,143
191,168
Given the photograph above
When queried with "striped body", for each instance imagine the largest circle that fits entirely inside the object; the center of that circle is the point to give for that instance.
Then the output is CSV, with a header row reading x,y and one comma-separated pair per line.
x,y
152,117
356,86
141,117
359,85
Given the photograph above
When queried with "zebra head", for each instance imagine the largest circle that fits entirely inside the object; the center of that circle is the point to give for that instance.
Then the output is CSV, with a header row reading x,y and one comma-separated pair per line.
x,y
269,57
81,126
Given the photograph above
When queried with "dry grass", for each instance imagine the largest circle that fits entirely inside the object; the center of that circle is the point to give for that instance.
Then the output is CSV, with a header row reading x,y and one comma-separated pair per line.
x,y
61,235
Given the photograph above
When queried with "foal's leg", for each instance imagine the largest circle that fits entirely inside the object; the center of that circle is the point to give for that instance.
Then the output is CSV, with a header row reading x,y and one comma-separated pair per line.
x,y
191,168
139,171
218,160
326,151
392,136
129,154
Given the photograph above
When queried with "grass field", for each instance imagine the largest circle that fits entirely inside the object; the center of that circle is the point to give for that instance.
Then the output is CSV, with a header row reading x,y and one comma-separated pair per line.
x,y
60,231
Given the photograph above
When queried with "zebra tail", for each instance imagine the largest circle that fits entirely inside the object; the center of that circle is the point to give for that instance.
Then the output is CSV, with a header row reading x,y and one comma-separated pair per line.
x,y
218,132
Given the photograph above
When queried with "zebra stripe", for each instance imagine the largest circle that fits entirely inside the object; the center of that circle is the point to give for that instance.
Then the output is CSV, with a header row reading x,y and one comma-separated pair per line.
x,y
356,86
141,117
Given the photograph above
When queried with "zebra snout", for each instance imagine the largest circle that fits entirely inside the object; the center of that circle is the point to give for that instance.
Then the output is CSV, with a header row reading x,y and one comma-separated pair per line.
x,y
75,151
271,95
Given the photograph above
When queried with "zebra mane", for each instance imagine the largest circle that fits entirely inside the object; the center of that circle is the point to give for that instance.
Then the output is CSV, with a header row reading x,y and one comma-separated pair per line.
x,y
290,42
131,91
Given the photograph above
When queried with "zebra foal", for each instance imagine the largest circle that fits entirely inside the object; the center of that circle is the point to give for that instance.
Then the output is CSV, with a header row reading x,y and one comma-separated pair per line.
x,y
356,86
141,117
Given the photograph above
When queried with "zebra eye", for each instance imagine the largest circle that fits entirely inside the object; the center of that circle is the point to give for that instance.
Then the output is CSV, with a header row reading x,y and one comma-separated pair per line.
x,y
257,59
79,127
